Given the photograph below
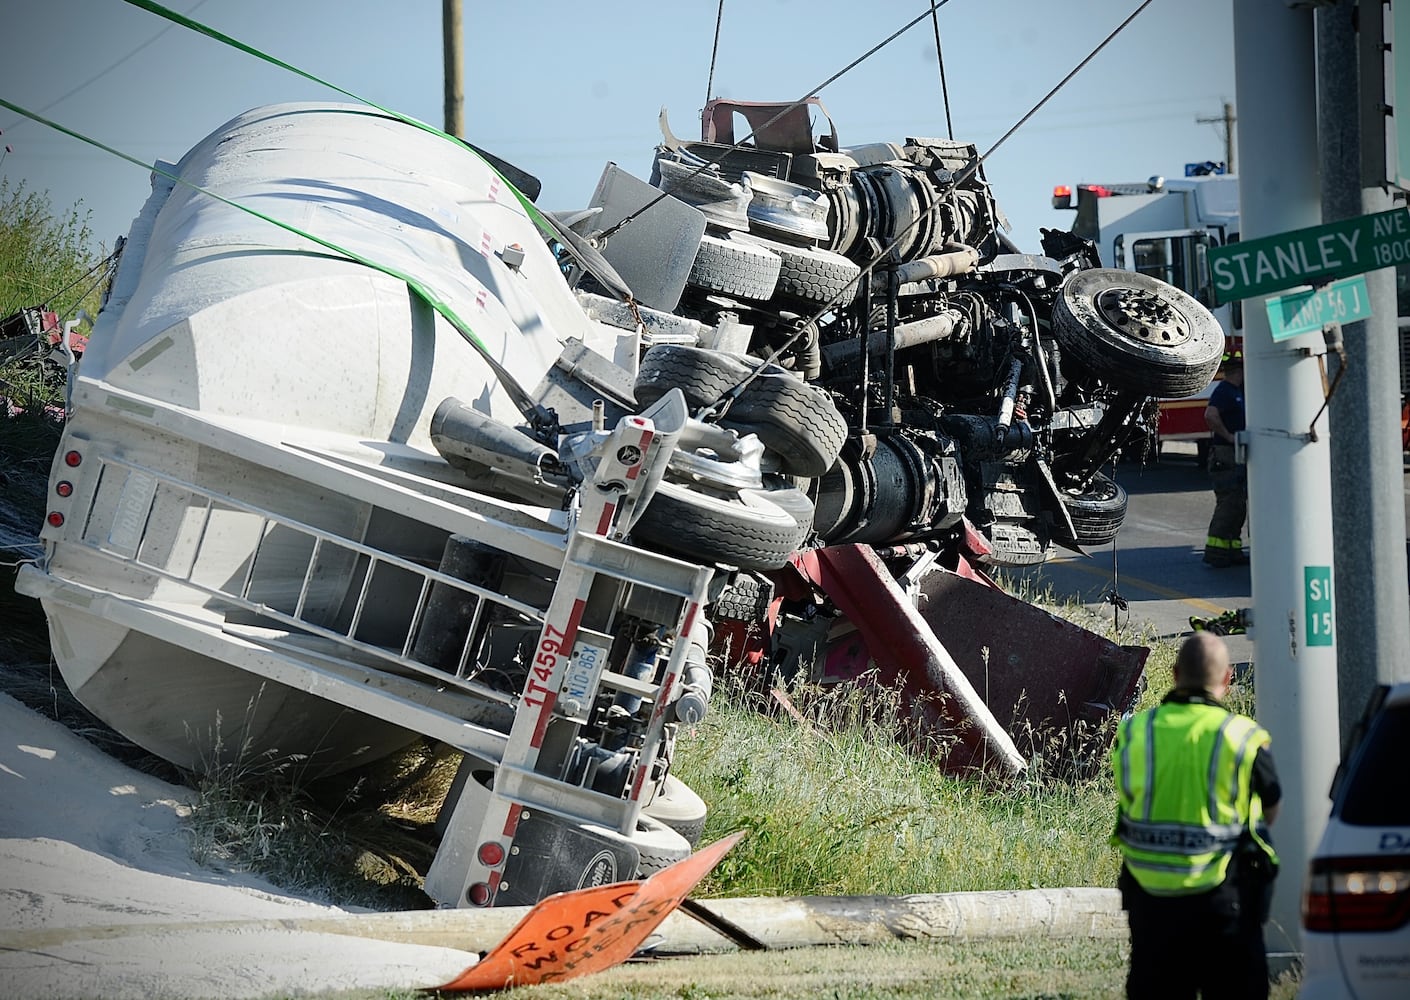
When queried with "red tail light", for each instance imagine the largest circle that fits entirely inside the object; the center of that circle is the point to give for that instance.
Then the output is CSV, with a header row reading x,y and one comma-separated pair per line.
x,y
1357,894
1100,190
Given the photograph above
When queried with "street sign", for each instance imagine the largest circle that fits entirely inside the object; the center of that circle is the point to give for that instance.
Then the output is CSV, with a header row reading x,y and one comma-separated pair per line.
x,y
1310,309
1310,256
1317,585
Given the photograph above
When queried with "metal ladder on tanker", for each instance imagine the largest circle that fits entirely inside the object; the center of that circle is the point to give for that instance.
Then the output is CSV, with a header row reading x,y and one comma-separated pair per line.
x,y
475,871
148,497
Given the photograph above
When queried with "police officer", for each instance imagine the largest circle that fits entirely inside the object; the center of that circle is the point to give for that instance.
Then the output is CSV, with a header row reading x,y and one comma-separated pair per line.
x,y
1224,416
1196,788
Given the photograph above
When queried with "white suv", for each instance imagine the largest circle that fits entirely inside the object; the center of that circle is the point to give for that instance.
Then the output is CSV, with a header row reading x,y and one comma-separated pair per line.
x,y
1356,901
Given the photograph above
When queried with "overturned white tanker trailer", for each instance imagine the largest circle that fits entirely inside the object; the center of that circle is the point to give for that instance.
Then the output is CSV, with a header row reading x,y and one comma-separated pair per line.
x,y
365,448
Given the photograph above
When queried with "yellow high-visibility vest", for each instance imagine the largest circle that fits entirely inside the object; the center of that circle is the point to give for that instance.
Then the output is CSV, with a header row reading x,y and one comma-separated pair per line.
x,y
1184,776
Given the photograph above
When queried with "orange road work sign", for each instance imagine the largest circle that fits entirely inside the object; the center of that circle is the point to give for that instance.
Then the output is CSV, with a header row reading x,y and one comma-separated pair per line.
x,y
571,934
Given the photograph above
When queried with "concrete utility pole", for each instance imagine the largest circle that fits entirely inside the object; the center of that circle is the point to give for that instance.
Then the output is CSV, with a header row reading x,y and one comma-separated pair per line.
x,y
1368,515
1227,120
454,68
1289,492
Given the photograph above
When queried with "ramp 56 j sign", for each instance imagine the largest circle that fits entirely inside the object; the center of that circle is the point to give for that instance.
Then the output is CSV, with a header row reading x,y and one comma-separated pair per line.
x,y
1310,256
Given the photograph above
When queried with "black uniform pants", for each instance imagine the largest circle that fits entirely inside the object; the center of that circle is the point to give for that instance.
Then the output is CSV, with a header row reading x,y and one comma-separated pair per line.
x,y
1230,482
1208,945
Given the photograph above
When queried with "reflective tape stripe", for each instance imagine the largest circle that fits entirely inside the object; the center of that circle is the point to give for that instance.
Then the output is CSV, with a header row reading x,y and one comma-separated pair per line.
x,y
1125,737
1149,790
1212,802
1184,839
1193,870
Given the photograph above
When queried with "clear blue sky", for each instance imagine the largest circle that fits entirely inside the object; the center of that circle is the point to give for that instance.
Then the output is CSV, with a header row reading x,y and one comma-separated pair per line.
x,y
561,88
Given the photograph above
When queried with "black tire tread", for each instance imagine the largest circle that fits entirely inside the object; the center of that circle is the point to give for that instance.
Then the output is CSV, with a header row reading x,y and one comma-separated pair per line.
x,y
703,377
1097,513
732,267
746,599
812,275
1174,372
797,420
672,523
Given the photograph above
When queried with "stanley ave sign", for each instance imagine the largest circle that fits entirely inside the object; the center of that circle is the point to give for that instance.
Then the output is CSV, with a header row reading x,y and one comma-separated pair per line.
x,y
1310,256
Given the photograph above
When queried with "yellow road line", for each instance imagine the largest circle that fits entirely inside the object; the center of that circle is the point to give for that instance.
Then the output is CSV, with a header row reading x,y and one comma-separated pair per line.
x,y
1083,566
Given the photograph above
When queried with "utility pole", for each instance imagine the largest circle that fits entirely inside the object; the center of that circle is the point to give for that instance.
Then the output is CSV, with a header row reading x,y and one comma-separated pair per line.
x,y
1289,467
454,68
1227,120
1368,516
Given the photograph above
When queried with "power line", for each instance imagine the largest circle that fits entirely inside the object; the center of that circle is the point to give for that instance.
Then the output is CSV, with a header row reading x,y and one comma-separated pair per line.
x,y
105,70
714,51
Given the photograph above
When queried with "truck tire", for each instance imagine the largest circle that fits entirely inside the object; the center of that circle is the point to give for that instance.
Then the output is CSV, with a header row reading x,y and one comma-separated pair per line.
x,y
795,419
794,499
1097,510
702,375
1138,332
747,530
812,276
746,599
676,805
659,845
735,268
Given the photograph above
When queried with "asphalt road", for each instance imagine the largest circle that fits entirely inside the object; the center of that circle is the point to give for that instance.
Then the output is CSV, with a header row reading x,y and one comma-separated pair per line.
x,y
1155,565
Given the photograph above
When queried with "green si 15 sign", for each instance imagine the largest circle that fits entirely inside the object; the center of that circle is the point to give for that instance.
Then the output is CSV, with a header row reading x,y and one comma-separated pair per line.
x,y
1310,256
1317,582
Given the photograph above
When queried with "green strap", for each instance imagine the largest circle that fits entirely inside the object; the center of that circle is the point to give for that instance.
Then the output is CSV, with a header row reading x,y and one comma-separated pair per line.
x,y
521,399
178,18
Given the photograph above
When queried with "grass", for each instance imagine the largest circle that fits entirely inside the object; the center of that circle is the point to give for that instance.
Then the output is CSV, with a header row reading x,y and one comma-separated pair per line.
x,y
361,841
851,812
1000,968
46,257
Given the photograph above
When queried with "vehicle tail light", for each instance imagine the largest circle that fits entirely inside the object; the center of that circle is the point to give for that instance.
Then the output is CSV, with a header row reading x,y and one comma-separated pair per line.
x,y
73,459
64,488
478,894
55,519
490,854
1100,190
1357,894
1062,196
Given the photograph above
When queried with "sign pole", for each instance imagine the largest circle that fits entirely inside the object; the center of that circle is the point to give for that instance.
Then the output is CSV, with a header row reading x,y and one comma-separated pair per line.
x,y
1294,586
1368,514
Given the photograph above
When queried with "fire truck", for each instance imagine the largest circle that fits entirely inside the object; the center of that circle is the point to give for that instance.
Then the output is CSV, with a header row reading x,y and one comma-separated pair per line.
x,y
1165,227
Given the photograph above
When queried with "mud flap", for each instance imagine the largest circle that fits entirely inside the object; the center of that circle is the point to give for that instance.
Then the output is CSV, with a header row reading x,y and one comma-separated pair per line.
x,y
550,853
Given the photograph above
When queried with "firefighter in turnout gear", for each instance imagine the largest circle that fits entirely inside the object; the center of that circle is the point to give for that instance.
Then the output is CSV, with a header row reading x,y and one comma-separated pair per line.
x,y
1224,416
1196,791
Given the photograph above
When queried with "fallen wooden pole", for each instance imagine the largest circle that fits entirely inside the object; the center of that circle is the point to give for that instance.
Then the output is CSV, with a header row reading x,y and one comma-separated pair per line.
x,y
775,923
